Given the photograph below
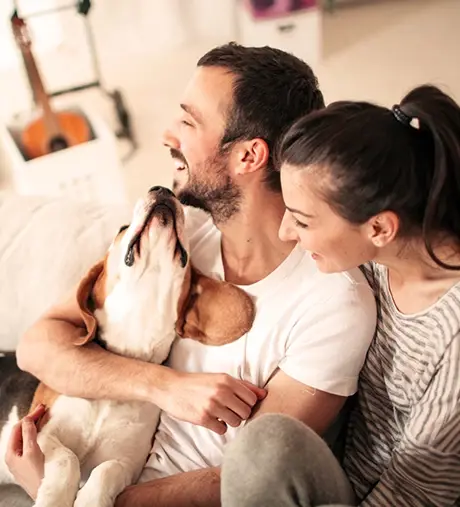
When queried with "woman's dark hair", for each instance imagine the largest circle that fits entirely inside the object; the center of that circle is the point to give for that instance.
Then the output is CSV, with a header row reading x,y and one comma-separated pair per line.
x,y
376,161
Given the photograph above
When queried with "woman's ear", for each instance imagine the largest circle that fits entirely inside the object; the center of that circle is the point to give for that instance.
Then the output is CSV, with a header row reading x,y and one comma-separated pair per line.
x,y
88,296
383,228
214,312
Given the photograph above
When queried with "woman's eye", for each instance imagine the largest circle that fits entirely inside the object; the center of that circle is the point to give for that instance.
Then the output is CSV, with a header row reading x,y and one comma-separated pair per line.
x,y
300,224
185,122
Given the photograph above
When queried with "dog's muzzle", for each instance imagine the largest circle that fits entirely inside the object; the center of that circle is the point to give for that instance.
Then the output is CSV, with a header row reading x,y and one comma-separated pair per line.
x,y
164,210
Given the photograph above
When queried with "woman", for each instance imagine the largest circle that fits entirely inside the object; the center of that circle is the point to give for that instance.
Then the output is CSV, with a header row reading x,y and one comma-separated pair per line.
x,y
364,183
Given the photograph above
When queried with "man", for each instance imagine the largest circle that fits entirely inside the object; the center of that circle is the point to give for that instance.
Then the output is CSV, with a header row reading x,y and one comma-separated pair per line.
x,y
304,352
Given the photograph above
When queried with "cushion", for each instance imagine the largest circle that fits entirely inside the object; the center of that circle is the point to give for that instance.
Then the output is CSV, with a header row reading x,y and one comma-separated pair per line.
x,y
46,246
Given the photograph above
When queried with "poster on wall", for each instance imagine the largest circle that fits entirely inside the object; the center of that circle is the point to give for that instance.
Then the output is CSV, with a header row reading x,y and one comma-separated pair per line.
x,y
264,9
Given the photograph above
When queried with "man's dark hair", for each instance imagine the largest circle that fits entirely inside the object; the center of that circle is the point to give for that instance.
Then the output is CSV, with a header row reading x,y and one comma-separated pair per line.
x,y
272,89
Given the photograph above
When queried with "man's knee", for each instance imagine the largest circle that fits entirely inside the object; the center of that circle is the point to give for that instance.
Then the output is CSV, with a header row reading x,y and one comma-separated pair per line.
x,y
275,440
271,457
276,455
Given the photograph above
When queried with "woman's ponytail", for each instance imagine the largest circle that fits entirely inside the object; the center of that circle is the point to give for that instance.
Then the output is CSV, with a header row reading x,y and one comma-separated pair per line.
x,y
437,117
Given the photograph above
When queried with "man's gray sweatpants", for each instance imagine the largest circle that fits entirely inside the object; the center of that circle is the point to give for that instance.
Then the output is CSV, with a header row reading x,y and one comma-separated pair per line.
x,y
277,461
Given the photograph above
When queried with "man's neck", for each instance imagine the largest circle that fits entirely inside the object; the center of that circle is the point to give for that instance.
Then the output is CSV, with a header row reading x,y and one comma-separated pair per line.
x,y
251,248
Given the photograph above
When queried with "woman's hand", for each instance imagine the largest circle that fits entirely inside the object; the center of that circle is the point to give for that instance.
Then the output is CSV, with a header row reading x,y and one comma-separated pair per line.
x,y
24,457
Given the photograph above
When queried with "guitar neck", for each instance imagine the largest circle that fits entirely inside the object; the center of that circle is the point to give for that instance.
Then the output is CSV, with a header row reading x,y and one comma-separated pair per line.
x,y
40,96
32,89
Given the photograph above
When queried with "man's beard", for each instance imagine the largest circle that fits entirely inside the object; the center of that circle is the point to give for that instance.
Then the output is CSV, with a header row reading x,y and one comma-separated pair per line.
x,y
220,198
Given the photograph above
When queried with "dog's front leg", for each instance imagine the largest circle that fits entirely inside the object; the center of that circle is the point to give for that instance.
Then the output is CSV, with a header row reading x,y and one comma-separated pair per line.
x,y
106,482
62,474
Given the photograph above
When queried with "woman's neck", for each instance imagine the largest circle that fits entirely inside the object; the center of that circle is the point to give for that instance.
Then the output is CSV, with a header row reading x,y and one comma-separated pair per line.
x,y
416,281
411,262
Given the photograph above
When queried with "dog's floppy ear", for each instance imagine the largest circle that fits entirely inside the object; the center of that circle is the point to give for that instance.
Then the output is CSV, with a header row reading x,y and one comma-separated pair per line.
x,y
88,294
214,312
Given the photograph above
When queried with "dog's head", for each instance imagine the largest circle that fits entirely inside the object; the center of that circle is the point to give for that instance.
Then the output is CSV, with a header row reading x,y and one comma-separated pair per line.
x,y
147,266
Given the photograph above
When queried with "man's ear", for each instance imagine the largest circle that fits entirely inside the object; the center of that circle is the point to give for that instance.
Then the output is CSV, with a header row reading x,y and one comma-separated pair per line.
x,y
87,300
214,312
252,156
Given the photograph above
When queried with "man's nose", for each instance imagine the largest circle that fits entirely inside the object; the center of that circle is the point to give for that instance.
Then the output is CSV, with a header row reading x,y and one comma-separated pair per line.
x,y
170,140
162,191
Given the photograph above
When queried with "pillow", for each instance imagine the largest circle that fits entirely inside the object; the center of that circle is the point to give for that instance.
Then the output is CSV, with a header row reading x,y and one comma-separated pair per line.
x,y
46,246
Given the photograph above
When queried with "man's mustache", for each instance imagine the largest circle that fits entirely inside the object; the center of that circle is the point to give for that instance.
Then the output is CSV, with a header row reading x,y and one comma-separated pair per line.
x,y
176,154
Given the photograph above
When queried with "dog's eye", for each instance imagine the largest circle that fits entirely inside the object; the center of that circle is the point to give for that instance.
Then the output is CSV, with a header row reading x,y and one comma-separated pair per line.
x,y
123,228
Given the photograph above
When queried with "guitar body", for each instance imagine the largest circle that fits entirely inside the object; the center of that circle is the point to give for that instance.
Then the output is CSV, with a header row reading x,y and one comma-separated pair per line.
x,y
36,140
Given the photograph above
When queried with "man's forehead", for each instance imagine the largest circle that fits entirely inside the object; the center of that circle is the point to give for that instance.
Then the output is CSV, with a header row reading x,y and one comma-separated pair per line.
x,y
209,92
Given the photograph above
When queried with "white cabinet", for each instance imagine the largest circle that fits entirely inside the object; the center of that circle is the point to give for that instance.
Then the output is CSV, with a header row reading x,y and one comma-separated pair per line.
x,y
87,172
297,33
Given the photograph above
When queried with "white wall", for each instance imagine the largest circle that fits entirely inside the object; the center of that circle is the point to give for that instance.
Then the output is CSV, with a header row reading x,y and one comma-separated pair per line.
x,y
46,31
123,30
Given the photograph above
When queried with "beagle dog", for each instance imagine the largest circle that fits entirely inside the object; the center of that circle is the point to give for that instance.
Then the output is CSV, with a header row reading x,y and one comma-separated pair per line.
x,y
134,303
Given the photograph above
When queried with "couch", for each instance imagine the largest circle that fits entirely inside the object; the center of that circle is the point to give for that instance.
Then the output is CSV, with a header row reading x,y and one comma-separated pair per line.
x,y
46,245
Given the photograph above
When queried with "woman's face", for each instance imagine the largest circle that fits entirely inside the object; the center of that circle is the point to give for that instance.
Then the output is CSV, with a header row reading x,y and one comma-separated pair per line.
x,y
335,244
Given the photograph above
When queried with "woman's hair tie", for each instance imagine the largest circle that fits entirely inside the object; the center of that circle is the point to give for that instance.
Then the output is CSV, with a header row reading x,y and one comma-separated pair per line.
x,y
403,118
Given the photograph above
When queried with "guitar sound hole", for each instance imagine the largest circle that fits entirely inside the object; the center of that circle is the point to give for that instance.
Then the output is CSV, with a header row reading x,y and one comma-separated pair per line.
x,y
58,143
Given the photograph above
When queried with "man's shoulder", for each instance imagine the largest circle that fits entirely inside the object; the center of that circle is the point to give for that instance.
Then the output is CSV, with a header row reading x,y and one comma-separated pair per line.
x,y
326,285
345,296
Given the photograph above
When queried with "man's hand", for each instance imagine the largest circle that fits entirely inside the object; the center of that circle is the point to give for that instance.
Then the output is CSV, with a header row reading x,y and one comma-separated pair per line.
x,y
212,400
24,457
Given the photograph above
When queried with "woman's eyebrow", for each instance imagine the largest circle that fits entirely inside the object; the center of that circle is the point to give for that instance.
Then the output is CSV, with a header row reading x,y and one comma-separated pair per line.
x,y
292,210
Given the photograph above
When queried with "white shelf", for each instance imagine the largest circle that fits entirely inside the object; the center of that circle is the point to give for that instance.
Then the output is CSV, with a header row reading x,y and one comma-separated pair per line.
x,y
87,172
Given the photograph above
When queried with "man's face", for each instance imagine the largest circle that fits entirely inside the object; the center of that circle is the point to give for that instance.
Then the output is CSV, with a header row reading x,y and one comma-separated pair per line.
x,y
202,175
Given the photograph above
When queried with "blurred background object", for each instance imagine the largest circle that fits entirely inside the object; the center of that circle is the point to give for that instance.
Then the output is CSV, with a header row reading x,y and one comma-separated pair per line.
x,y
274,8
360,49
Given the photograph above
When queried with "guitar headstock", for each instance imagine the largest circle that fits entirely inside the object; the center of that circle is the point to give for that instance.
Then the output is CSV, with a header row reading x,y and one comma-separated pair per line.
x,y
20,31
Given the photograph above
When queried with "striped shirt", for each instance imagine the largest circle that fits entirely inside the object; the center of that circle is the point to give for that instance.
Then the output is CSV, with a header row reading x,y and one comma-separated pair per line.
x,y
403,446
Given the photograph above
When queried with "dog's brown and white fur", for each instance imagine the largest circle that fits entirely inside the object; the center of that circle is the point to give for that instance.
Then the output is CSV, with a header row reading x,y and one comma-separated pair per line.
x,y
134,302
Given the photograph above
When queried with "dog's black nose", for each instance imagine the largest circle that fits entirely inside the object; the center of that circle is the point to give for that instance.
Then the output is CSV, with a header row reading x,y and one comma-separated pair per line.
x,y
162,190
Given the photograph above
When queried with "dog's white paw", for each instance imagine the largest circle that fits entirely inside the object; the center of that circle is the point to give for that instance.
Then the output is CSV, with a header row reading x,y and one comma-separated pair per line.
x,y
52,498
53,502
90,498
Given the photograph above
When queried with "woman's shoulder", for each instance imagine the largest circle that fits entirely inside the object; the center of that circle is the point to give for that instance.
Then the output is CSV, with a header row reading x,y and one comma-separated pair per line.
x,y
374,274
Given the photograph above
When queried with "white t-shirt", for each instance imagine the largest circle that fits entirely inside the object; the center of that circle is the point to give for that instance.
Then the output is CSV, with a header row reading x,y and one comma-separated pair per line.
x,y
315,327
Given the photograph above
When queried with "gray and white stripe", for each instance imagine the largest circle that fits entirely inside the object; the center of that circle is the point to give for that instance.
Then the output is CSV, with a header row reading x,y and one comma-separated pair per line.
x,y
404,440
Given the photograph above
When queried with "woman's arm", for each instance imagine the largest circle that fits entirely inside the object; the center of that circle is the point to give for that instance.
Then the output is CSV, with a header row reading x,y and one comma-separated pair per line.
x,y
425,467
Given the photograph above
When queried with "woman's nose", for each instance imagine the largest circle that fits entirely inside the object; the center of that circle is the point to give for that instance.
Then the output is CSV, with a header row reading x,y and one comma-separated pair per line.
x,y
287,231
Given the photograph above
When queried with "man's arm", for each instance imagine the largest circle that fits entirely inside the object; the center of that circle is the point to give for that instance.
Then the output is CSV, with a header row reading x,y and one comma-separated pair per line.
x,y
317,409
47,352
328,346
201,488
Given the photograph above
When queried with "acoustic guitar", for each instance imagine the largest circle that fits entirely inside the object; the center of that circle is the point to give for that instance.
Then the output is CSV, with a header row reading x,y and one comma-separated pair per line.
x,y
53,130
